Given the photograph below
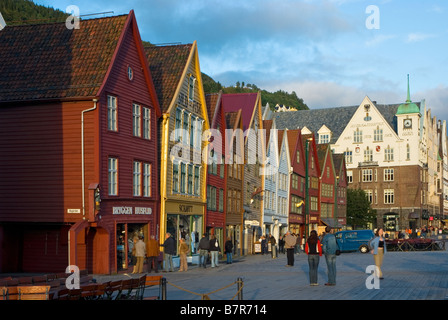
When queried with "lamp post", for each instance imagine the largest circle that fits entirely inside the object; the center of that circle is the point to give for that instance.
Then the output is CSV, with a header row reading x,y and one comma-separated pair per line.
x,y
307,202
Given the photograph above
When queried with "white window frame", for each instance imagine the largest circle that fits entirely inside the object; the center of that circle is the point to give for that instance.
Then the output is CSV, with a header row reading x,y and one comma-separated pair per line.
x,y
147,168
389,196
137,179
136,120
112,176
112,113
367,175
146,123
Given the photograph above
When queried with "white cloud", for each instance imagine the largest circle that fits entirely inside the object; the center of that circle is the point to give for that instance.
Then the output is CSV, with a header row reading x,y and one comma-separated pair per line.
x,y
379,39
418,36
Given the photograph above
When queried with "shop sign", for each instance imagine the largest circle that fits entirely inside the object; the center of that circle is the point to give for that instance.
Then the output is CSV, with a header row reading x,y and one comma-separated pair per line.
x,y
140,210
129,210
73,210
122,210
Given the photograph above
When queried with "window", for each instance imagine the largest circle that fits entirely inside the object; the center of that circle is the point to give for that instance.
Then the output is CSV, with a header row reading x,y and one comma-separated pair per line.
x,y
190,179
146,180
295,181
389,196
295,201
367,175
197,186
378,135
185,127
136,120
357,136
191,81
314,203
175,177
113,176
298,156
388,174
136,181
178,125
389,154
183,173
112,113
324,138
408,152
369,195
221,200
348,156
350,176
368,155
146,123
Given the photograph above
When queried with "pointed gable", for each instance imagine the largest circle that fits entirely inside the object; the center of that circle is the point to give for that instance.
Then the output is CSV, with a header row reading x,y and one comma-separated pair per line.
x,y
167,65
246,102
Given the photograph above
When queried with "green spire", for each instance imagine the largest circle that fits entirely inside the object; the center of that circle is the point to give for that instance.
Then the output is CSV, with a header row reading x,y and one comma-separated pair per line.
x,y
408,107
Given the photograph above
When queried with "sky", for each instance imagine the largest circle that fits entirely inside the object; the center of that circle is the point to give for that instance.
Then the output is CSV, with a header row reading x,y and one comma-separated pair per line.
x,y
330,52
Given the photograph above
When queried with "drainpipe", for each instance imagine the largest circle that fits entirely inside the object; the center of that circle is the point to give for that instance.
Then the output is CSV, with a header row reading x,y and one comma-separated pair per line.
x,y
82,158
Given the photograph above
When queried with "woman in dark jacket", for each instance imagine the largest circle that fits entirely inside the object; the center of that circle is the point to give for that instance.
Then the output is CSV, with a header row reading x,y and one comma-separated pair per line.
x,y
228,250
313,249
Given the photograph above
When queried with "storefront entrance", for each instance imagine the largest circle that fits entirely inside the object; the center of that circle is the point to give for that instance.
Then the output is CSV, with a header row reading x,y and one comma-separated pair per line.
x,y
126,236
184,226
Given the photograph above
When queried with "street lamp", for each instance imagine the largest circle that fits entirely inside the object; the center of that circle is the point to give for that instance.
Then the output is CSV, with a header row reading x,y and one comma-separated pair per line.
x,y
307,206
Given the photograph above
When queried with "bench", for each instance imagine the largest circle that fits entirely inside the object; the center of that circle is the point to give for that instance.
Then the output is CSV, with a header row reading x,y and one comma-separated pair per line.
x,y
34,292
151,281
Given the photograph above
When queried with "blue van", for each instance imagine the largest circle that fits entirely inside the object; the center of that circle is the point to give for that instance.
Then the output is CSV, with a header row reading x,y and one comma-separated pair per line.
x,y
354,240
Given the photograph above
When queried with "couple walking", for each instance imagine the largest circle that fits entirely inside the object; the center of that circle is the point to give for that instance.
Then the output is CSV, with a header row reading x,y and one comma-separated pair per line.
x,y
314,249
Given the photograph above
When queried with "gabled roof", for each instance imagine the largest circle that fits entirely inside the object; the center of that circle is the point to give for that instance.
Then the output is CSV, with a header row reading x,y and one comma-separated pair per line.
x,y
322,150
167,64
336,119
50,61
293,140
213,101
246,102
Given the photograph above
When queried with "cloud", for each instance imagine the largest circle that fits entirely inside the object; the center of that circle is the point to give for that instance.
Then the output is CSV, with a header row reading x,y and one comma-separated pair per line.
x,y
376,40
417,37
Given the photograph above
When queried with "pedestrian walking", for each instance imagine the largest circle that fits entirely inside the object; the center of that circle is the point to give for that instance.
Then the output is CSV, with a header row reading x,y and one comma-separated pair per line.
x,y
329,247
140,253
281,244
152,254
273,243
378,245
290,242
183,251
214,251
203,247
228,250
314,250
169,251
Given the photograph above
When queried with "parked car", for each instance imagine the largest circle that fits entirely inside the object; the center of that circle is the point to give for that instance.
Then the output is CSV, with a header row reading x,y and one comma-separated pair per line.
x,y
354,240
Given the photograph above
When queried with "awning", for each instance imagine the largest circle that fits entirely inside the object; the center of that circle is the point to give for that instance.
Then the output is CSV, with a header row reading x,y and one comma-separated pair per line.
x,y
330,222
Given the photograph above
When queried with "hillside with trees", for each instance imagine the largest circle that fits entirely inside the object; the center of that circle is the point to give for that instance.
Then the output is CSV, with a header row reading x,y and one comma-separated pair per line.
x,y
27,12
273,98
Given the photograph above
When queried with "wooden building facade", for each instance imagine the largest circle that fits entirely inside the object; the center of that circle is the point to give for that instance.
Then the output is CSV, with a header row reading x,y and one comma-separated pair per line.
x,y
78,147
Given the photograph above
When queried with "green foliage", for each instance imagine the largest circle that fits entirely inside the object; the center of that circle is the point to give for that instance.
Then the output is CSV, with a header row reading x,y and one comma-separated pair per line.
x,y
359,210
273,98
27,12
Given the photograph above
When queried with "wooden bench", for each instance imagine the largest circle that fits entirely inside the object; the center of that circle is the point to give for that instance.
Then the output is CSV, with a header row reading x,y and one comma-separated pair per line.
x,y
114,287
151,281
34,292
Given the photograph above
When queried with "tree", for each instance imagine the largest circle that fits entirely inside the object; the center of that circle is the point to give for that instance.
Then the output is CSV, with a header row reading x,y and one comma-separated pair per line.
x,y
359,210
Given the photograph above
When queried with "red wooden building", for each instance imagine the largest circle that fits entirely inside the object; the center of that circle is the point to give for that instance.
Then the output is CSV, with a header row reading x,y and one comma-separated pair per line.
x,y
78,119
296,219
215,220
